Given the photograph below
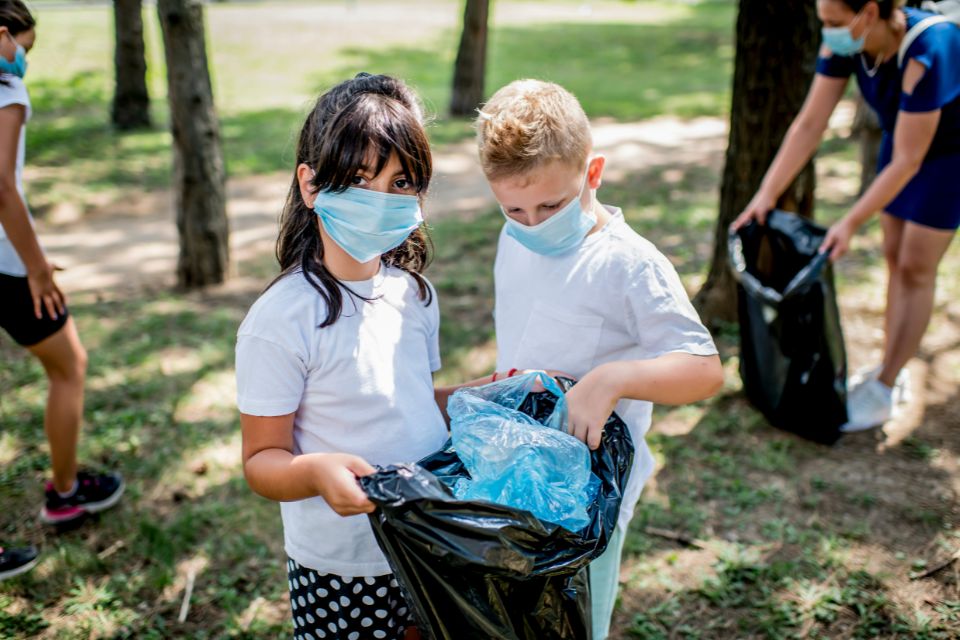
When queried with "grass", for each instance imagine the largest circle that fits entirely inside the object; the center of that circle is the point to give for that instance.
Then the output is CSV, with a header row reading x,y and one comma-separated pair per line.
x,y
794,540
644,59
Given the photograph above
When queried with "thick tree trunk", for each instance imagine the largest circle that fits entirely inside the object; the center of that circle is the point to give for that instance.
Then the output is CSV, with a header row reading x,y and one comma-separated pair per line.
x,y
131,101
866,126
199,177
468,72
775,59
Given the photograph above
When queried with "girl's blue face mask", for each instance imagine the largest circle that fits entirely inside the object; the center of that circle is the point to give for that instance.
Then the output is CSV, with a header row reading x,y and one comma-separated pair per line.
x,y
840,40
367,223
560,233
19,65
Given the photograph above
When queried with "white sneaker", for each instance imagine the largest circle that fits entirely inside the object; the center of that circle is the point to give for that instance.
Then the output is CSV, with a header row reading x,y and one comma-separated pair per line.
x,y
902,391
869,405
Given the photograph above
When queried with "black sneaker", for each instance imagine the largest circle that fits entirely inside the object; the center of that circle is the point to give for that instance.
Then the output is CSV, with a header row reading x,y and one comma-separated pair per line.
x,y
95,492
13,562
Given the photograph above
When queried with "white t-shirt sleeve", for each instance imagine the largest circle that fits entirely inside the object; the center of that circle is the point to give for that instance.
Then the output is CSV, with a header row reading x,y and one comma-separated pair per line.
x,y
660,316
433,340
270,378
14,92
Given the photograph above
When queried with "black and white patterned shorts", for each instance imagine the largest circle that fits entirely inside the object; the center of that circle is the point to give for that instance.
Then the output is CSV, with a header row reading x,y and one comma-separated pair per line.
x,y
332,607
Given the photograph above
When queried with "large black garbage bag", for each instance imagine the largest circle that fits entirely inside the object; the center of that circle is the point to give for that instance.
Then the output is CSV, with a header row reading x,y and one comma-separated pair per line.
x,y
792,357
477,570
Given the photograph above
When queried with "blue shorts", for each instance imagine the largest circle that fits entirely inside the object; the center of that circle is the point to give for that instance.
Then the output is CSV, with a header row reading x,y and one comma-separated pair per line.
x,y
932,197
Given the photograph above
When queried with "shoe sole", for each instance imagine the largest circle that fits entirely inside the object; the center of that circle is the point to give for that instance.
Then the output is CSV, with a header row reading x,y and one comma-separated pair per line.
x,y
90,507
21,569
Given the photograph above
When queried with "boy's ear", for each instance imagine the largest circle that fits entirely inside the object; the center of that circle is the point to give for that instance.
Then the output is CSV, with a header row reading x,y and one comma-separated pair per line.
x,y
595,171
305,178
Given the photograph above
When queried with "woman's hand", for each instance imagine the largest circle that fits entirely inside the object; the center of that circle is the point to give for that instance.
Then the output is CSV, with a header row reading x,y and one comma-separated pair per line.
x,y
45,292
757,209
335,479
837,240
589,403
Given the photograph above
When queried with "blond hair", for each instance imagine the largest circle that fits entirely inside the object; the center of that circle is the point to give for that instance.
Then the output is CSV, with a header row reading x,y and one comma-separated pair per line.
x,y
530,123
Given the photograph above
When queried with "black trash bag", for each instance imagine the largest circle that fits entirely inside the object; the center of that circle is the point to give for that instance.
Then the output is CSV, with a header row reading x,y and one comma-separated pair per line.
x,y
478,570
792,357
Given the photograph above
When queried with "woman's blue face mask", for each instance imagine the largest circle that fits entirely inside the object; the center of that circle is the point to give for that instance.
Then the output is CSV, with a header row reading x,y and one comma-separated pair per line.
x,y
19,65
840,40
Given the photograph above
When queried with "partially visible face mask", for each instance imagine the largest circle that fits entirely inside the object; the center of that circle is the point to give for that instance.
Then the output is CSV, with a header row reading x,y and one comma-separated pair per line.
x,y
367,223
558,234
19,65
840,40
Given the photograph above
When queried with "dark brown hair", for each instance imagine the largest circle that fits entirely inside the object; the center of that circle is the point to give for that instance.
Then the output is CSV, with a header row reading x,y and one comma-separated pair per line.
x,y
15,16
886,6
369,114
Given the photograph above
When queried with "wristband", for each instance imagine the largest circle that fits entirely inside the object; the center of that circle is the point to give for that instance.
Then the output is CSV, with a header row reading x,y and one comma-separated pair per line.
x,y
511,372
494,377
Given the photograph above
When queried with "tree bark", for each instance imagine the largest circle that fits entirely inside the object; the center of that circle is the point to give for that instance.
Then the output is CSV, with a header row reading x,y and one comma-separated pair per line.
x,y
776,52
131,101
470,67
866,127
199,176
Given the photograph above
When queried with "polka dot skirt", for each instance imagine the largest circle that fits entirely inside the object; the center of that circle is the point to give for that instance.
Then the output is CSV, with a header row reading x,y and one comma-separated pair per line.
x,y
329,606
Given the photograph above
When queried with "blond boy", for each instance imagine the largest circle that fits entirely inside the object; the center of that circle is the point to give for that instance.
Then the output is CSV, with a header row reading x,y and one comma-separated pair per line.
x,y
577,290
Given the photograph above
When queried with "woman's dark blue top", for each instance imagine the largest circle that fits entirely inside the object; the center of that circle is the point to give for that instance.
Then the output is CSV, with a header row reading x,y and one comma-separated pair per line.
x,y
937,49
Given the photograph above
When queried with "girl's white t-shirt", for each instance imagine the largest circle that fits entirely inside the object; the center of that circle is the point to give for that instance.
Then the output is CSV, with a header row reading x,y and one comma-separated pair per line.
x,y
14,92
615,297
362,386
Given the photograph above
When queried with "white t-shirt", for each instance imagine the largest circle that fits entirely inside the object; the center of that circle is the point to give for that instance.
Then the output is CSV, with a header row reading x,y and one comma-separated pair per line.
x,y
616,297
362,386
14,92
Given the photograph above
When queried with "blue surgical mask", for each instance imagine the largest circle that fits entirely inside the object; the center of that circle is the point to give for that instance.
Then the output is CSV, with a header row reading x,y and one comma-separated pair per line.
x,y
19,65
367,223
558,234
840,40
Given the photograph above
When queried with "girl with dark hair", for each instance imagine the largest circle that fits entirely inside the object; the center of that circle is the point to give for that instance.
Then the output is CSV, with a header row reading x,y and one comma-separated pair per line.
x,y
335,359
34,311
907,65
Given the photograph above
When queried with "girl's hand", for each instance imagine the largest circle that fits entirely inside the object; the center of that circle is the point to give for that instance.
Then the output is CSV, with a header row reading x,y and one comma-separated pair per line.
x,y
336,481
589,404
837,240
757,209
45,292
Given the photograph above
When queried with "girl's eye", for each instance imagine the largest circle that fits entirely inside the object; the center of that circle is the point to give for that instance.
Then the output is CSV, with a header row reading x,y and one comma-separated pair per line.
x,y
403,184
357,180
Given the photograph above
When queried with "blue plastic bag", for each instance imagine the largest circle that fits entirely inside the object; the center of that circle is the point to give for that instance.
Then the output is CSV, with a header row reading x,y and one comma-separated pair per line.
x,y
516,461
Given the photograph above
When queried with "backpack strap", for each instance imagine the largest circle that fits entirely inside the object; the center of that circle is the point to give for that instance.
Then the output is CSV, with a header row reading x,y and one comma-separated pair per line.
x,y
915,32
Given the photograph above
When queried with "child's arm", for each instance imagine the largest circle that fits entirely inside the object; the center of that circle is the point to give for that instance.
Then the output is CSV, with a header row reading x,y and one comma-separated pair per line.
x,y
273,471
16,222
442,394
673,378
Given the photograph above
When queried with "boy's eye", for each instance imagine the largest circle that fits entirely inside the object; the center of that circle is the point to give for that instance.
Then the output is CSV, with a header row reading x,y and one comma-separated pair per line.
x,y
551,206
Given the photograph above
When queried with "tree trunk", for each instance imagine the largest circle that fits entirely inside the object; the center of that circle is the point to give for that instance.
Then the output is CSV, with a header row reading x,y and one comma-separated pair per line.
x,y
776,54
468,72
199,177
131,101
866,126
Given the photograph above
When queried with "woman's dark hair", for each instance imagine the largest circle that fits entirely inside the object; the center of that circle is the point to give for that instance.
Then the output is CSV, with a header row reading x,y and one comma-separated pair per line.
x,y
15,16
368,114
886,6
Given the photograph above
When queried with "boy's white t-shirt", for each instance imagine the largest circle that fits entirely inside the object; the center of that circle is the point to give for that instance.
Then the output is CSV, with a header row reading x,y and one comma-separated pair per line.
x,y
362,386
14,92
616,297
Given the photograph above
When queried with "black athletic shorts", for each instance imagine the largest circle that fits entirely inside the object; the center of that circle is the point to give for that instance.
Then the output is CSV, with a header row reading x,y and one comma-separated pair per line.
x,y
16,313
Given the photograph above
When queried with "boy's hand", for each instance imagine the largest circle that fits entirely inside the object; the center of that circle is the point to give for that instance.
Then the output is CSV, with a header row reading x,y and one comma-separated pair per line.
x,y
335,476
590,403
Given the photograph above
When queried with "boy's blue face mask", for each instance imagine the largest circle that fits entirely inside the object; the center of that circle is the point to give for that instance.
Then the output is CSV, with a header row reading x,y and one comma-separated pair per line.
x,y
558,234
840,40
19,65
367,223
